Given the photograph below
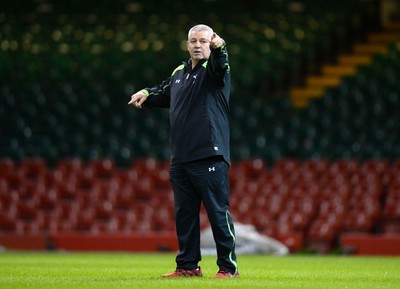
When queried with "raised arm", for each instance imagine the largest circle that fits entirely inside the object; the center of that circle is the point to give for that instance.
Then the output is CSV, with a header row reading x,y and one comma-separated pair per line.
x,y
219,63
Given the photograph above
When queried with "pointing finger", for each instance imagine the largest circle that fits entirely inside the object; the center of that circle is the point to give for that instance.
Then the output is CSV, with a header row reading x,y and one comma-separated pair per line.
x,y
133,99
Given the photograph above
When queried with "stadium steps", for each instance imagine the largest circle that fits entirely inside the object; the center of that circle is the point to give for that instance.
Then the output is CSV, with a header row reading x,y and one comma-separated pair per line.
x,y
347,65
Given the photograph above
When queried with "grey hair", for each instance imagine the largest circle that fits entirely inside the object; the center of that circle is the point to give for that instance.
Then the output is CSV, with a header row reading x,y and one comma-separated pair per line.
x,y
200,27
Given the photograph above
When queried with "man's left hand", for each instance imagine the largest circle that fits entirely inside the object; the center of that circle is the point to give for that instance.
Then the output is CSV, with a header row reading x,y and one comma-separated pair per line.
x,y
216,41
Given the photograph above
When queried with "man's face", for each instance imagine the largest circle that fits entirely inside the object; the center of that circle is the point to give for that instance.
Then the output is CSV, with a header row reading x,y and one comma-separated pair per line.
x,y
198,45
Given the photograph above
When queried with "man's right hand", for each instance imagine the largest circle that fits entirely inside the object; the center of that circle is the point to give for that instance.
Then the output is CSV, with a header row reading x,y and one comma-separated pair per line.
x,y
138,98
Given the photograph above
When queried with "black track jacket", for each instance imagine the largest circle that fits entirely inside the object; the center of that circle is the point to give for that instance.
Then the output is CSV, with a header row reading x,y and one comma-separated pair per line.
x,y
198,102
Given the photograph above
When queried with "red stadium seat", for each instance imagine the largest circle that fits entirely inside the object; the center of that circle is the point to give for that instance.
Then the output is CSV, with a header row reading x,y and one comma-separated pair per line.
x,y
67,211
47,202
345,167
321,236
391,211
286,165
66,191
7,195
32,168
261,219
124,200
163,220
84,221
104,191
161,181
357,222
147,166
7,224
7,165
144,189
25,211
49,222
85,179
27,228
379,167
250,169
126,221
70,166
14,179
297,221
103,168
316,166
103,211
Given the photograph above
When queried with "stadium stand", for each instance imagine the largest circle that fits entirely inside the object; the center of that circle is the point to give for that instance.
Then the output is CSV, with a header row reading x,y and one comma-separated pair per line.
x,y
307,170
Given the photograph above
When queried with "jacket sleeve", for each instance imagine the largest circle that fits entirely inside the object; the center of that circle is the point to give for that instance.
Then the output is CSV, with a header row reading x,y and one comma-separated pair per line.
x,y
159,95
219,64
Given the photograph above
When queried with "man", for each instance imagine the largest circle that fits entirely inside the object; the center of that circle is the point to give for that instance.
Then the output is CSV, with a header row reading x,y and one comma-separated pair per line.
x,y
197,95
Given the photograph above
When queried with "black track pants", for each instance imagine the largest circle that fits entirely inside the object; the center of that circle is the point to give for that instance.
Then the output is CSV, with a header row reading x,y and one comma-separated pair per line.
x,y
203,181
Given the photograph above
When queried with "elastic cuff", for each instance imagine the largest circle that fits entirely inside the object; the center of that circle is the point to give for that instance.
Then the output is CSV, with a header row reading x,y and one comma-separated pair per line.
x,y
145,92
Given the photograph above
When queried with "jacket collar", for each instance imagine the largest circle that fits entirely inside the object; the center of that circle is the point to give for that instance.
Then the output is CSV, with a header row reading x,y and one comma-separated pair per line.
x,y
188,64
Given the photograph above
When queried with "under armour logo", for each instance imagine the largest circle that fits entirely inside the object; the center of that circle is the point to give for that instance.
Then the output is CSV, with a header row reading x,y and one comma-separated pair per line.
x,y
211,169
177,81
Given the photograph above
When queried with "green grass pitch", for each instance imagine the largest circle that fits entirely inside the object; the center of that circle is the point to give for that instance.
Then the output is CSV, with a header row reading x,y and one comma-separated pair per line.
x,y
127,270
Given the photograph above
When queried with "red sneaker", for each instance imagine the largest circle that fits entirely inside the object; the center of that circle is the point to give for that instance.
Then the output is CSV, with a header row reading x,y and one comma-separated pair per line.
x,y
224,274
184,273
